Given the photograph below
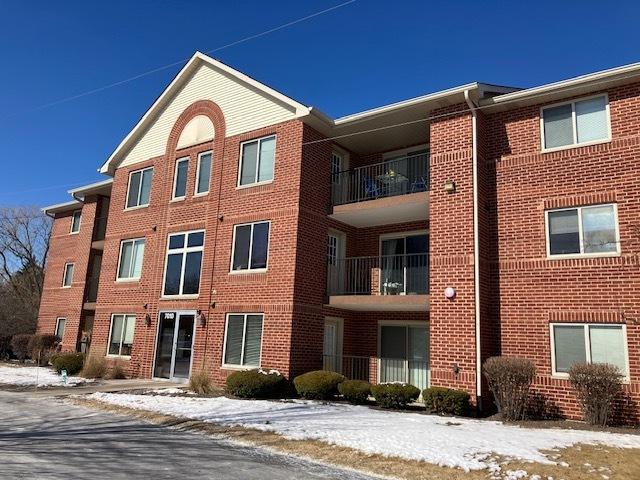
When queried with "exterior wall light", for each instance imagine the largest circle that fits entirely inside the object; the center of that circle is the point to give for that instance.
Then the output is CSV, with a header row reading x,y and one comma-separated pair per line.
x,y
450,186
202,320
450,293
147,319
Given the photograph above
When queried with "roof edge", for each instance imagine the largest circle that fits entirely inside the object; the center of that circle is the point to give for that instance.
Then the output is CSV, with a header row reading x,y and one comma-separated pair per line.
x,y
61,207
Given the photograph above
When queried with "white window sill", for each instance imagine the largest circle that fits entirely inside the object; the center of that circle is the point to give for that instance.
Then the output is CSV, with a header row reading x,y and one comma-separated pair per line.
x,y
202,194
179,297
569,256
177,199
565,376
127,280
575,145
66,286
251,185
243,272
118,357
137,207
74,233
239,368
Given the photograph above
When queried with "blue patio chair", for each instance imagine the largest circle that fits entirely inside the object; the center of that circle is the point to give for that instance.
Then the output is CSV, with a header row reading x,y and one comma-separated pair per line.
x,y
370,188
419,185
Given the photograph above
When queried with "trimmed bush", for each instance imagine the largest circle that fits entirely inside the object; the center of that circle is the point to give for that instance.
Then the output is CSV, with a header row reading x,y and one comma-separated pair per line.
x,y
257,384
448,401
117,371
318,385
95,366
20,346
355,391
394,395
201,383
70,361
41,346
596,386
509,380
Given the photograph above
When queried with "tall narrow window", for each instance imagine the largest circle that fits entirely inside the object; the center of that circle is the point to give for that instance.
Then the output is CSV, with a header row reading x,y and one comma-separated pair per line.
x,y
180,179
121,334
131,258
184,261
67,277
250,246
256,161
203,178
575,123
139,188
60,324
75,221
589,231
243,339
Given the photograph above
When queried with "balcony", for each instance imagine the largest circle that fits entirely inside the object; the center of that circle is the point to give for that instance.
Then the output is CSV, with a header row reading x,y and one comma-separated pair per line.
x,y
379,369
393,191
381,283
99,231
91,292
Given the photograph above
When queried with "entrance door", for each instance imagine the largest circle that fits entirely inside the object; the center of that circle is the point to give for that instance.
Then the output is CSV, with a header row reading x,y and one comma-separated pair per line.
x,y
335,263
174,345
333,344
404,354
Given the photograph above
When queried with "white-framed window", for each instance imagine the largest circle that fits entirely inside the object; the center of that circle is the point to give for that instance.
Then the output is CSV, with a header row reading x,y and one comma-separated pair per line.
x,y
180,179
60,324
580,122
250,250
336,166
67,276
583,231
139,189
257,158
243,340
76,219
203,173
588,343
131,259
183,264
121,334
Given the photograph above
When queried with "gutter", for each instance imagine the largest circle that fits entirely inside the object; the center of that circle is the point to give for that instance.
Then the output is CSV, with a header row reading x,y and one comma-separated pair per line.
x,y
476,246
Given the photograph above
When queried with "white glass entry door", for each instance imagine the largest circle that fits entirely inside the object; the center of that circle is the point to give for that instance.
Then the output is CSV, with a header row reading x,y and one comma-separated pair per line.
x,y
174,345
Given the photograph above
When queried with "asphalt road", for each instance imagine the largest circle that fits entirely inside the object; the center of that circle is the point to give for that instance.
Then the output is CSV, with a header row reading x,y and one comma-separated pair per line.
x,y
44,438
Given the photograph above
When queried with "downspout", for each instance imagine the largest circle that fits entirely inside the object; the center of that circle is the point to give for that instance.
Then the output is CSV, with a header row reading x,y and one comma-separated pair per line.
x,y
476,246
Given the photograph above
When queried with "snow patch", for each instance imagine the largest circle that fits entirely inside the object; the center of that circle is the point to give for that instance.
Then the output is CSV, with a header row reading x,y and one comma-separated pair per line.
x,y
31,376
470,445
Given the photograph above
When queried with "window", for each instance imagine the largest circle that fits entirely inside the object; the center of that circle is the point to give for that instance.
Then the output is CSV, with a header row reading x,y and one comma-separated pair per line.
x,y
75,221
184,260
131,258
180,179
139,188
256,161
67,277
60,324
203,176
121,334
243,339
250,246
591,343
589,231
576,123
336,167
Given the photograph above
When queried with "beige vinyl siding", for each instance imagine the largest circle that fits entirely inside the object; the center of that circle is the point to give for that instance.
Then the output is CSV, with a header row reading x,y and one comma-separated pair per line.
x,y
244,109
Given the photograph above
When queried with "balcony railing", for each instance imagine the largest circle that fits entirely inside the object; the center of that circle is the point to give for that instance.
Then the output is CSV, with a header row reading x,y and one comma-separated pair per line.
x,y
91,289
399,176
99,228
379,370
382,275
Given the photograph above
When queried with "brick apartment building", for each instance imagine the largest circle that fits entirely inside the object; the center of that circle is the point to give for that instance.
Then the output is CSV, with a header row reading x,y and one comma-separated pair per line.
x,y
239,228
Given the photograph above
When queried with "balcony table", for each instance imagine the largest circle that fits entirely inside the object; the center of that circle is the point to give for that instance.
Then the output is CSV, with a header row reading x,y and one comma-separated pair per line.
x,y
395,183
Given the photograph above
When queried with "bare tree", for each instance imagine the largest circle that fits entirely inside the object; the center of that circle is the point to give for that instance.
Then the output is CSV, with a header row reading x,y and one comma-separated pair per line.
x,y
24,245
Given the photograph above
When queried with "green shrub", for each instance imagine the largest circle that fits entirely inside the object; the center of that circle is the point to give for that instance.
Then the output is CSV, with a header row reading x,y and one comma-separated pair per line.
x,y
446,400
257,384
201,383
95,366
509,380
355,391
70,361
596,385
394,395
41,346
318,385
20,346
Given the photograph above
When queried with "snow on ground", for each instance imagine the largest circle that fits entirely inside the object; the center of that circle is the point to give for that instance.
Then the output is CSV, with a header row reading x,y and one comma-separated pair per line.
x,y
452,442
27,376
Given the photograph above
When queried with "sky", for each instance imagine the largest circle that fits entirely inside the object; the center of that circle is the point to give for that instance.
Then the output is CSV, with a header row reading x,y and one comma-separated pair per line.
x,y
362,55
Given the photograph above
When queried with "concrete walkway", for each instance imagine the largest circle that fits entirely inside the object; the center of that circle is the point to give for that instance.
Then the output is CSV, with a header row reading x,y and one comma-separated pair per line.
x,y
101,386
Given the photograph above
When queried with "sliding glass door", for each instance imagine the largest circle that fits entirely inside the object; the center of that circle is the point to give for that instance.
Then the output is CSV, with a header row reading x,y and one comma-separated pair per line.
x,y
404,265
404,354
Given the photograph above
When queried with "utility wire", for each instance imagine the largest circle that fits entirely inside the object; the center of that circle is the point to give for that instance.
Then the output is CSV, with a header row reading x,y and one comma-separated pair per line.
x,y
179,62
